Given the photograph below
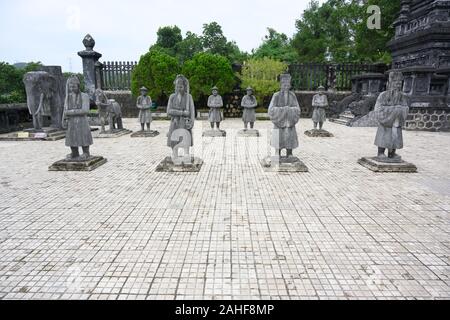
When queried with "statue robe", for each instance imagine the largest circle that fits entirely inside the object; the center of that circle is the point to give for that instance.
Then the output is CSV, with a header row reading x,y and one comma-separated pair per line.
x,y
284,112
76,110
214,104
319,103
249,104
144,104
175,109
391,110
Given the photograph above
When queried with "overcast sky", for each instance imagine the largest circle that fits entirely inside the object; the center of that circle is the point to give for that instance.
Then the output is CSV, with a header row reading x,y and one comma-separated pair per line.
x,y
51,31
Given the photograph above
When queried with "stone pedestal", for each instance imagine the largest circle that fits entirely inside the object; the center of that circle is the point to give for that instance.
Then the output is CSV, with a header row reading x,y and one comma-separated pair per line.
x,y
73,165
286,164
387,165
249,133
167,165
145,134
44,134
215,133
315,133
113,134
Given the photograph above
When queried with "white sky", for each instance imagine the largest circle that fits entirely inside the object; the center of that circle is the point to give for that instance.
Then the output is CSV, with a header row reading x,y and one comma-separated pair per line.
x,y
51,31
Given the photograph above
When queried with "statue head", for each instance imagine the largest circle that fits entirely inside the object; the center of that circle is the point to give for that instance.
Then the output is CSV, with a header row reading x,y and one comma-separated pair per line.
x,y
144,91
73,85
181,84
285,82
249,91
215,91
321,89
395,81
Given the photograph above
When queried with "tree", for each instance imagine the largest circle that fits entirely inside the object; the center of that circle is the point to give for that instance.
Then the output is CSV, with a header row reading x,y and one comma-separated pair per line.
x,y
12,88
156,71
190,46
276,46
207,70
168,38
262,75
215,42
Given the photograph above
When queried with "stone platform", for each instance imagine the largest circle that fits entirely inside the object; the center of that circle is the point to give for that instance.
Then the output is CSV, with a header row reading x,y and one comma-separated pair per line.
x,y
215,133
114,134
315,133
249,133
381,166
291,164
71,165
46,134
167,165
145,134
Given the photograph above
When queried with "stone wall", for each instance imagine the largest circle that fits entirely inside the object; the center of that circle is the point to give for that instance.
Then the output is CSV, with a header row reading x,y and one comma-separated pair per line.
x,y
428,119
14,117
129,110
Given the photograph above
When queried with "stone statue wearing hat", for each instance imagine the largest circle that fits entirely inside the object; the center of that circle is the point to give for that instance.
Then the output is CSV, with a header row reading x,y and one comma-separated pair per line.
x,y
391,109
249,105
284,112
319,103
215,102
76,110
144,104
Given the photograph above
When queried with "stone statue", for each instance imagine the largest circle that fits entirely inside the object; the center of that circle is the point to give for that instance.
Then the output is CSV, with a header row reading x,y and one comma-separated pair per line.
x,y
249,105
109,111
181,109
144,104
392,109
76,109
215,102
284,112
319,103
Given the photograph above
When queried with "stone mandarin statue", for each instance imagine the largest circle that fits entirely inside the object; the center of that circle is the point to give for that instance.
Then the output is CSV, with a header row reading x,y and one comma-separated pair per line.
x,y
76,110
249,105
215,102
181,110
144,104
319,103
392,110
284,112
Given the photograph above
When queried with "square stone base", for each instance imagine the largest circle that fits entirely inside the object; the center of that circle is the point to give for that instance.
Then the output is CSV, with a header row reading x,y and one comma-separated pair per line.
x,y
315,133
292,164
167,165
377,166
249,133
71,165
45,134
114,134
145,134
215,133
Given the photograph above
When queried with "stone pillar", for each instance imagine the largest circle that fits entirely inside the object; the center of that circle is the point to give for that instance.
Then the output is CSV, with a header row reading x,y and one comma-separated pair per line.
x,y
98,75
90,58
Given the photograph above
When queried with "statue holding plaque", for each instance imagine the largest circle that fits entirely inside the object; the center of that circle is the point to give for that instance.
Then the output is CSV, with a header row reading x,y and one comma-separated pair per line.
x,y
284,112
249,104
181,110
391,109
144,104
319,104
215,103
76,110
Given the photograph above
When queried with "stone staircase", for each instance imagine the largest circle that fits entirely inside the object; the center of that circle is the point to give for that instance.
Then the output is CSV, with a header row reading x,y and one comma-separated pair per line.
x,y
345,118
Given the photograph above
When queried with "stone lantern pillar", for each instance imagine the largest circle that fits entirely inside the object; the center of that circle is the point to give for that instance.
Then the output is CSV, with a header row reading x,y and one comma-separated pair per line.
x,y
90,58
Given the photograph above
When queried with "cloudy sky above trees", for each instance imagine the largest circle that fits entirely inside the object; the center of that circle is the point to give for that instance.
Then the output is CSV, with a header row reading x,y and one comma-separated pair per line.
x,y
51,31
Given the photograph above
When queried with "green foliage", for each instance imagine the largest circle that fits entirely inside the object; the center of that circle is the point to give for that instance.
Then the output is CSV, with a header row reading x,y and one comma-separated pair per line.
x,y
262,75
276,46
207,70
189,46
156,71
215,42
168,38
12,89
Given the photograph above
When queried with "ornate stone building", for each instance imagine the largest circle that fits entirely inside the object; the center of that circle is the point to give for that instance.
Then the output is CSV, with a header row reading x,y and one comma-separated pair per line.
x,y
421,51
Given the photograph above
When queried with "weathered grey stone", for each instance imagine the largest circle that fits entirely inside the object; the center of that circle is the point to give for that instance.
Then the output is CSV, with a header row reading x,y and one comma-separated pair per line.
x,y
376,165
116,133
167,165
44,134
215,103
89,164
249,133
249,104
145,134
316,133
283,164
109,111
144,104
215,133
90,58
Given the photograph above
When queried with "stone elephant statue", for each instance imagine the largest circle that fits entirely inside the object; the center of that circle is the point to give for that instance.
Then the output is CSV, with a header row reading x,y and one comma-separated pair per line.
x,y
43,99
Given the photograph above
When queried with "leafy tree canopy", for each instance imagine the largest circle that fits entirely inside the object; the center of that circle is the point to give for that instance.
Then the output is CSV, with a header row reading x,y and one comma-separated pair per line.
x,y
12,89
276,46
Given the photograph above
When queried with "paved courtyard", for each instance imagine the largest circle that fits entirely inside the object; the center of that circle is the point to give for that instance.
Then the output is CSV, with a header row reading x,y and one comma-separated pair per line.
x,y
231,231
